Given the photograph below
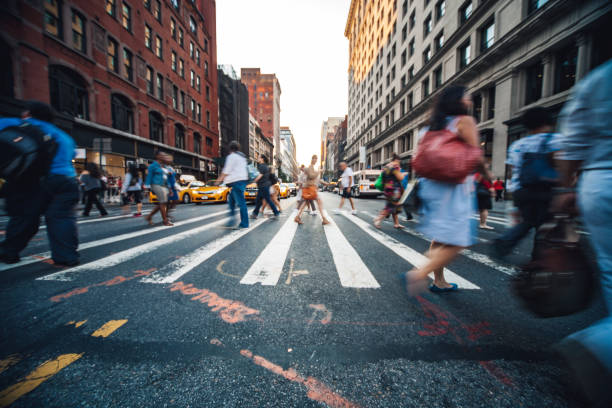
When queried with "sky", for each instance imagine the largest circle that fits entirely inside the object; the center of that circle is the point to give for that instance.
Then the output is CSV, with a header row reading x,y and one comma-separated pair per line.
x,y
303,43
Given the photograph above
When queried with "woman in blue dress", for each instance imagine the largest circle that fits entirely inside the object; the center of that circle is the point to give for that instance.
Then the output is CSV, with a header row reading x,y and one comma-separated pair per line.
x,y
447,208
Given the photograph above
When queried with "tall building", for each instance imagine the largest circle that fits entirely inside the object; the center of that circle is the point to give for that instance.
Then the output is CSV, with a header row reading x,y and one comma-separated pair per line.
x,y
328,130
127,77
233,110
335,149
264,102
259,145
511,55
288,153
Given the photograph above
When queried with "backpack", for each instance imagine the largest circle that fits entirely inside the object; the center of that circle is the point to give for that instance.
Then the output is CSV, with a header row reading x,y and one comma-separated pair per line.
x,y
26,152
536,169
273,178
252,172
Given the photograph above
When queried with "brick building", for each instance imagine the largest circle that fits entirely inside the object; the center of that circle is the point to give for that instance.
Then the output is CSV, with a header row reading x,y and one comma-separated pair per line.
x,y
139,74
264,102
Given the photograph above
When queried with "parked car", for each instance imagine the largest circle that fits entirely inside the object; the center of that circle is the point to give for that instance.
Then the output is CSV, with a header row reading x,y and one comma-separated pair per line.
x,y
363,183
292,189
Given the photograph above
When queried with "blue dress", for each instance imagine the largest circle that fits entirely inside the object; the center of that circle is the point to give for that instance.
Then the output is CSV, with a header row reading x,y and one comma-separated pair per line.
x,y
447,209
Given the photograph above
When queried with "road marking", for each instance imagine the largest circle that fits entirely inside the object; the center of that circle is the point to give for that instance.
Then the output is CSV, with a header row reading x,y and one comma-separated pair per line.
x,y
112,282
129,254
292,274
176,269
76,324
93,244
220,270
44,371
9,361
320,308
408,254
268,266
351,269
108,328
493,220
101,219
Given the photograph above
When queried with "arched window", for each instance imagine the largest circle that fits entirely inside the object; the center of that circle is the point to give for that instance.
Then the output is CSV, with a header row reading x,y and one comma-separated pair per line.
x,y
179,136
156,127
197,143
122,113
68,92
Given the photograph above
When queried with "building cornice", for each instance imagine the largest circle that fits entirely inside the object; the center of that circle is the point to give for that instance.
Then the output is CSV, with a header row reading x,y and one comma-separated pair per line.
x,y
349,19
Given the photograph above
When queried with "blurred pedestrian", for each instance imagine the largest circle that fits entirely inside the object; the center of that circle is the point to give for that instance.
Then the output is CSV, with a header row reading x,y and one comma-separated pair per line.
x,y
92,184
484,193
236,176
309,191
301,184
173,196
499,188
392,189
131,190
157,181
447,208
586,144
263,188
55,195
531,197
347,186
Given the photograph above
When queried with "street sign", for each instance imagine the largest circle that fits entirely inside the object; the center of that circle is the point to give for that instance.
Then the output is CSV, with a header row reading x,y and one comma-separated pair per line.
x,y
102,145
362,154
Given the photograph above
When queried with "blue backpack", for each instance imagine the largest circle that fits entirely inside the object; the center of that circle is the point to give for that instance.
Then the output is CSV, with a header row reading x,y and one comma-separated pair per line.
x,y
537,169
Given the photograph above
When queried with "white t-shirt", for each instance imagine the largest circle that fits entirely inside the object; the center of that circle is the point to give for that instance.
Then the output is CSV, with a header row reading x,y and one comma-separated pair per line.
x,y
235,168
347,178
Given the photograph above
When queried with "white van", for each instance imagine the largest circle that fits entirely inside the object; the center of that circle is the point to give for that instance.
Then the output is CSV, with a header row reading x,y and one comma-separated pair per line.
x,y
363,181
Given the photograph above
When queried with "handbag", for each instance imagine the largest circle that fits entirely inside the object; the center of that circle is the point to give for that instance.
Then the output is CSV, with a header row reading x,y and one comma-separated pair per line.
x,y
560,279
379,184
443,156
309,193
536,169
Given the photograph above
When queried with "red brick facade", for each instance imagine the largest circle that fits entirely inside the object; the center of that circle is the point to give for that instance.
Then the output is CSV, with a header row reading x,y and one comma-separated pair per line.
x,y
263,94
43,37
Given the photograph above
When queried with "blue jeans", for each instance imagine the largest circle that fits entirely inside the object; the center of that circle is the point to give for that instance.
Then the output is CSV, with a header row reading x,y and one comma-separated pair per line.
x,y
56,198
236,197
264,194
595,200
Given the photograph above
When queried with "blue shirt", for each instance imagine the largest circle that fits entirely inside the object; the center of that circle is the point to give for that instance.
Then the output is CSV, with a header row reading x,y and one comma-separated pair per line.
x,y
62,161
528,144
586,121
156,175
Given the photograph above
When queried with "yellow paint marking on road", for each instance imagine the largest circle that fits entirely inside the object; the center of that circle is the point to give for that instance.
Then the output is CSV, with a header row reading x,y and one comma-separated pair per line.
x,y
44,371
76,324
108,328
9,361
220,270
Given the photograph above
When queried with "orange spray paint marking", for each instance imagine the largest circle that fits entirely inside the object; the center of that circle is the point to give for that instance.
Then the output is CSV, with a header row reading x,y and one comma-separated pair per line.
x,y
231,311
317,391
114,281
216,342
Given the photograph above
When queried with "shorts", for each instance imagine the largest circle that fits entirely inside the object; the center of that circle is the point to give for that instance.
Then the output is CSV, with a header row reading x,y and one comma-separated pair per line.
x,y
160,192
346,192
135,195
484,202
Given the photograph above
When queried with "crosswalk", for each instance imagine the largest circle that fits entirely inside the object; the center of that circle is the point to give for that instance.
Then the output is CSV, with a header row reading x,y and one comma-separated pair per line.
x,y
267,265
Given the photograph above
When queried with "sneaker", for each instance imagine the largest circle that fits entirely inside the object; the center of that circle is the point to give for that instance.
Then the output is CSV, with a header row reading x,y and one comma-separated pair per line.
x,y
253,216
336,211
354,212
9,259
66,263
313,212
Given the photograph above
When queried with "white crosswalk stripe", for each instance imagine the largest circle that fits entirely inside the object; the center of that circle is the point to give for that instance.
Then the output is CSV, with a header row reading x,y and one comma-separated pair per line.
x,y
352,271
408,254
176,269
268,266
112,239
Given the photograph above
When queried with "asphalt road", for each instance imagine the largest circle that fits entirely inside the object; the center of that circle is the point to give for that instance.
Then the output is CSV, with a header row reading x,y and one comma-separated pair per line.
x,y
198,315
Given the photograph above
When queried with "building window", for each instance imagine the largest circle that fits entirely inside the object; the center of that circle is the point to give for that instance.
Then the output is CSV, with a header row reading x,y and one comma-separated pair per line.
x,y
411,47
181,68
403,81
157,10
197,53
147,4
68,92
78,32
440,9
535,5
182,102
405,32
176,4
193,26
439,41
402,108
158,47
209,143
110,8
199,112
404,8
427,26
403,58
491,103
410,99
487,36
197,143
198,83
126,16
425,87
193,109
179,136
53,17
465,12
208,119
173,61
112,57
437,74
191,50
173,28
534,79
192,82
565,69
411,72
464,55
156,127
205,45
412,20
180,37
426,55
160,86
148,35
206,69
207,93
149,79
477,107
122,113
128,65
175,97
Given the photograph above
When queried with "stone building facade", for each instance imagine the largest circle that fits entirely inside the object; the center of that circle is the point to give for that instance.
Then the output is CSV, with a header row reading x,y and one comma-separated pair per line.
x,y
233,111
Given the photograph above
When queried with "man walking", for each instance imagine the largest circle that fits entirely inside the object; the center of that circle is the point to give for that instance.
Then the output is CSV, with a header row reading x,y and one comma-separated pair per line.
x,y
55,196
263,187
498,185
533,200
236,176
347,185
586,145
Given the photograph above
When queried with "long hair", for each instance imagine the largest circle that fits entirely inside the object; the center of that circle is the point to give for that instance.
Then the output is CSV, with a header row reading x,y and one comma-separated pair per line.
x,y
133,170
94,170
448,104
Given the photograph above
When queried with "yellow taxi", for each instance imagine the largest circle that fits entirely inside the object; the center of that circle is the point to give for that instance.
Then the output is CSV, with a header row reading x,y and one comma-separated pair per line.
x,y
199,192
285,191
250,192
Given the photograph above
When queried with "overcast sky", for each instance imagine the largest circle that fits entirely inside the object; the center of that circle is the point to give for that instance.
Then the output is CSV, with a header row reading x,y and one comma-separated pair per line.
x,y
303,43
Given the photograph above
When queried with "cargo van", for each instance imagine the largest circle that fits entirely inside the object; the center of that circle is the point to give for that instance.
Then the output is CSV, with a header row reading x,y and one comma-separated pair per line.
x,y
363,181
